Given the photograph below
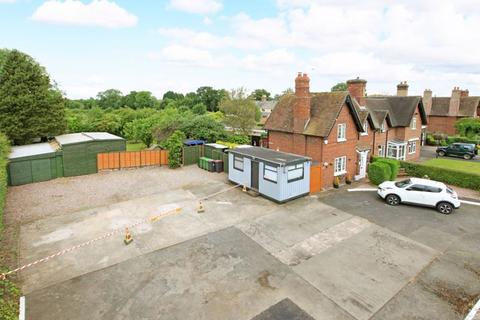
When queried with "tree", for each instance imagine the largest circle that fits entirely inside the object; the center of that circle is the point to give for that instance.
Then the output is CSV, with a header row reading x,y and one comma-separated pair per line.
x,y
260,94
141,99
239,111
110,99
204,128
30,106
168,121
174,145
140,130
341,86
3,57
210,97
172,95
199,109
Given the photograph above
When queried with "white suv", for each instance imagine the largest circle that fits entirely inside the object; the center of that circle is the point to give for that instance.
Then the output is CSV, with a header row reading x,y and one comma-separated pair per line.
x,y
420,192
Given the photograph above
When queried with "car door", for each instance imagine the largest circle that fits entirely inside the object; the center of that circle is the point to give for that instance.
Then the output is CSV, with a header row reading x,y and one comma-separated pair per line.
x,y
454,150
433,195
415,194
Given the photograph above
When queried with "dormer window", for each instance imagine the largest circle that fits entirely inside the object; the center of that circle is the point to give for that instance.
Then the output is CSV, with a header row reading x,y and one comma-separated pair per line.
x,y
382,127
365,129
342,132
413,125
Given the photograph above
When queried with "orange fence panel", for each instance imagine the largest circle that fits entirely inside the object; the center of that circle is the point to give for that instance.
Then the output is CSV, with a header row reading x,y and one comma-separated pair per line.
x,y
131,159
315,179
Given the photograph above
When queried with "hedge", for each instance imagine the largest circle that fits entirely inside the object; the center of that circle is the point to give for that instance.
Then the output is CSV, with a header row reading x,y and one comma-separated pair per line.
x,y
4,151
394,165
379,172
448,176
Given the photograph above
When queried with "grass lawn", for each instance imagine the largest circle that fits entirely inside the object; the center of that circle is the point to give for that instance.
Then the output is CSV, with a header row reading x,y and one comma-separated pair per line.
x,y
135,146
466,166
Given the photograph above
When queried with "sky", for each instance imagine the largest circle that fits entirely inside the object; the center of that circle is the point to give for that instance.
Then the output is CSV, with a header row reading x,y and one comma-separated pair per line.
x,y
93,45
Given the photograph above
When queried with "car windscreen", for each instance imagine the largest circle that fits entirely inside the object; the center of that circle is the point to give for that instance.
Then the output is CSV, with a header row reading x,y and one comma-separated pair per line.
x,y
403,183
450,190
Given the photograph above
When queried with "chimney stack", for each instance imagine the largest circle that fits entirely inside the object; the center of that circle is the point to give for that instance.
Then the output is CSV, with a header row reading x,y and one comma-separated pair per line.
x,y
427,101
454,102
301,108
464,93
402,89
356,88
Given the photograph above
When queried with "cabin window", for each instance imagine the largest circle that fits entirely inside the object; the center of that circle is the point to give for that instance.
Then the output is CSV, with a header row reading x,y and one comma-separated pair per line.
x,y
270,173
238,162
295,172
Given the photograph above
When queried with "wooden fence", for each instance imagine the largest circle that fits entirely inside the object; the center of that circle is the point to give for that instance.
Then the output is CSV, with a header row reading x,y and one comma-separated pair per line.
x,y
131,159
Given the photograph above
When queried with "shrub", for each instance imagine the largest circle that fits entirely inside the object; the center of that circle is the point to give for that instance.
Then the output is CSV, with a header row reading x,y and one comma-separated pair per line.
x,y
448,176
4,150
174,145
379,172
392,163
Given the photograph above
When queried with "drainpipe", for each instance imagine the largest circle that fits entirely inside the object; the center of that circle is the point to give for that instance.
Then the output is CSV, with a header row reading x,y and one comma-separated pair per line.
x,y
373,147
386,143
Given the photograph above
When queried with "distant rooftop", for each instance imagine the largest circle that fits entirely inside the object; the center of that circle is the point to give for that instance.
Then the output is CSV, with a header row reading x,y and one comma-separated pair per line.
x,y
31,150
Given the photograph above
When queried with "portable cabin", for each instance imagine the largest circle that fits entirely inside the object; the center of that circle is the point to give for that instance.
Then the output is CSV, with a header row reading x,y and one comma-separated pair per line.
x,y
34,163
80,150
276,175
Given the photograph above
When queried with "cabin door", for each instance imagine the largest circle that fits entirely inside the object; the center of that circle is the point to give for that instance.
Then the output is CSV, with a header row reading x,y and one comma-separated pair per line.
x,y
254,173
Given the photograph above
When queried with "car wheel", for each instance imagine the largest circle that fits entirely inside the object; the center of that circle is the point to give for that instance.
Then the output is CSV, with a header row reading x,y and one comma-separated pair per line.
x,y
441,153
467,157
393,200
444,208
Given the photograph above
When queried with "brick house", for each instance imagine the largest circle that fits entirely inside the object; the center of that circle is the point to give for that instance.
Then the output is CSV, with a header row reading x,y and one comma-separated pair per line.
x,y
443,112
339,130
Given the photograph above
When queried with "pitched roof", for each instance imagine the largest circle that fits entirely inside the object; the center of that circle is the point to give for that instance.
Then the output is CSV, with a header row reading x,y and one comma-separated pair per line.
x,y
468,106
324,110
400,109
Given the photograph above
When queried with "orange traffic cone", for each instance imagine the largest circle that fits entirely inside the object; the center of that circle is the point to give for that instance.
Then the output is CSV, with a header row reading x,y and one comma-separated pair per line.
x,y
200,207
128,237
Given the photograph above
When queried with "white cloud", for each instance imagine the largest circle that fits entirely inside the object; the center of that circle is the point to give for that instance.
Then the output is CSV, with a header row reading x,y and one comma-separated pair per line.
x,y
196,6
99,13
184,55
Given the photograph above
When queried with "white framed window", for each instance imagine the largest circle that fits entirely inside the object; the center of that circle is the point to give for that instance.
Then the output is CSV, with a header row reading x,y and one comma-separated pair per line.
x,y
270,173
295,172
412,146
365,129
382,127
340,166
413,125
238,162
381,150
396,150
342,132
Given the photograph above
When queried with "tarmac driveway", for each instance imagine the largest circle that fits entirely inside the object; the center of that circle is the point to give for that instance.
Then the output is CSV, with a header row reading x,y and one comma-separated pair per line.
x,y
338,255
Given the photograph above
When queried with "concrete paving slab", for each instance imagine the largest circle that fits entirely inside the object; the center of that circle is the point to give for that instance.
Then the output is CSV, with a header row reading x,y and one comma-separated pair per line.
x,y
364,272
47,236
222,275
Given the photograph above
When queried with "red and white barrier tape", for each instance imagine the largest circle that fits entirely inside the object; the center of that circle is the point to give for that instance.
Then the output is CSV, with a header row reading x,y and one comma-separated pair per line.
x,y
151,219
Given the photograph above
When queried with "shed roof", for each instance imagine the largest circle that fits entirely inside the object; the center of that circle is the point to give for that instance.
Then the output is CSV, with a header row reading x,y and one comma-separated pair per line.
x,y
30,150
73,138
217,145
269,155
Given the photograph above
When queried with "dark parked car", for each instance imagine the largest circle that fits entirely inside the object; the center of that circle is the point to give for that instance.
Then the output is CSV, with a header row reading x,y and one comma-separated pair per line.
x,y
465,150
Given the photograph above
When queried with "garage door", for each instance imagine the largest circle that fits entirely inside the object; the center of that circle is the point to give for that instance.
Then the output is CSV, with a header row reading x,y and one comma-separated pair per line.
x,y
41,170
20,173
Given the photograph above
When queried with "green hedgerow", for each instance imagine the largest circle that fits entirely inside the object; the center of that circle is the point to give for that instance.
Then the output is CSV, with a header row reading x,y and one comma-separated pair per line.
x,y
394,166
379,172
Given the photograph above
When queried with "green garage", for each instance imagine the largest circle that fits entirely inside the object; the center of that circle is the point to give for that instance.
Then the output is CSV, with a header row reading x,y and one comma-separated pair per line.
x,y
80,150
34,163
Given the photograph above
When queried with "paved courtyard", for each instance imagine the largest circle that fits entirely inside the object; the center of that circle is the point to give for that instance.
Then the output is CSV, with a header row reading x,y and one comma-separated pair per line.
x,y
337,255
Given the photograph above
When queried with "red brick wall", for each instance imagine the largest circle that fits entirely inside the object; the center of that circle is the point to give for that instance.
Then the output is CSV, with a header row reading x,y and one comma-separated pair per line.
x,y
442,124
282,141
336,149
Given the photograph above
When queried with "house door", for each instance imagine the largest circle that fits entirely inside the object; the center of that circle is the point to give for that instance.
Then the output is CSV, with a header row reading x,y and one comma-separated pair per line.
x,y
362,164
254,173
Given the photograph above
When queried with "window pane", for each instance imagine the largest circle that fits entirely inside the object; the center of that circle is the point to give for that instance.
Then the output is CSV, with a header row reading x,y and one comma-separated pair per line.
x,y
270,173
295,174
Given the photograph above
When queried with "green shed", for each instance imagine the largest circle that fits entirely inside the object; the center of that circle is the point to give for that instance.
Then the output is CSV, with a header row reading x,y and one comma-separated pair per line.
x,y
80,150
34,163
